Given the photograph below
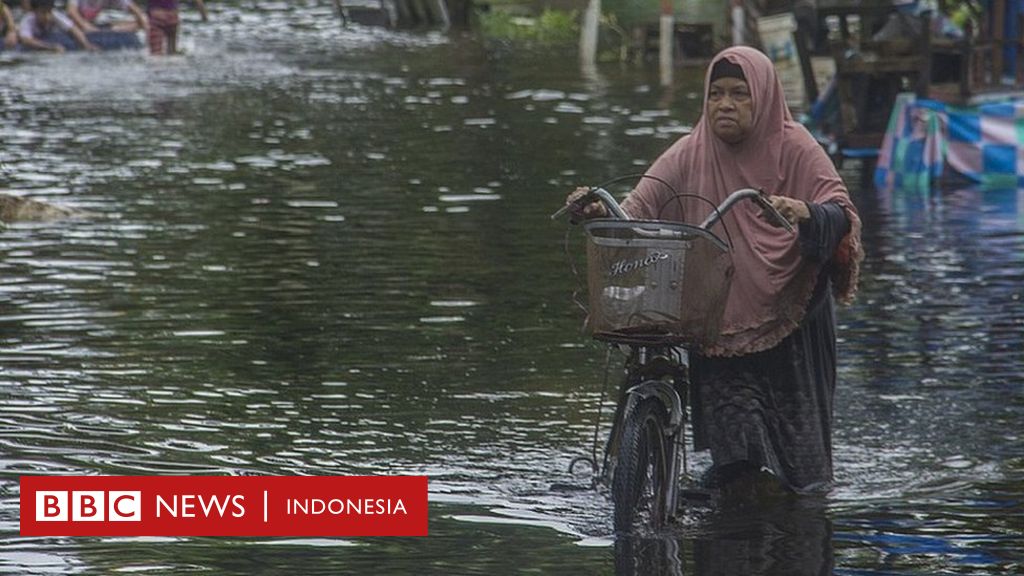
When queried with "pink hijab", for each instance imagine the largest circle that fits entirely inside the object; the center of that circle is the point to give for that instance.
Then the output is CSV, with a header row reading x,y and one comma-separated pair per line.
x,y
773,283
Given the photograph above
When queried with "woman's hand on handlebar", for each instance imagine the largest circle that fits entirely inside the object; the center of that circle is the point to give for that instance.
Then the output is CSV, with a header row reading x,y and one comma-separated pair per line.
x,y
795,211
580,209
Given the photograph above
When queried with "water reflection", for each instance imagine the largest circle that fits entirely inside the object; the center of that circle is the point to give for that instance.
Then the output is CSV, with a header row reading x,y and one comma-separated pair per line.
x,y
792,538
650,555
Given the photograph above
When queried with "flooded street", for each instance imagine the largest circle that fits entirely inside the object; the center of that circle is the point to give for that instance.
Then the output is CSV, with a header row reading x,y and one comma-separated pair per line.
x,y
313,251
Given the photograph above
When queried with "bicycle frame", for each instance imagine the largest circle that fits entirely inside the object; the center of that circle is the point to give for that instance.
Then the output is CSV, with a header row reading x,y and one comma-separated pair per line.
x,y
662,373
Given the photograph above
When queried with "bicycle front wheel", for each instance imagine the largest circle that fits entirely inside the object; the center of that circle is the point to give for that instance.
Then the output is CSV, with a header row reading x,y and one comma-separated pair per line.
x,y
640,485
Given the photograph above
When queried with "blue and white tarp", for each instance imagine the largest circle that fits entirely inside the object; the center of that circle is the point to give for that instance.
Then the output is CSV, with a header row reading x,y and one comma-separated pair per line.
x,y
927,140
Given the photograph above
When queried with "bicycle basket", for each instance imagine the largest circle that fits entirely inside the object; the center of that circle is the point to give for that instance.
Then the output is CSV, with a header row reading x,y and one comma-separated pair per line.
x,y
656,281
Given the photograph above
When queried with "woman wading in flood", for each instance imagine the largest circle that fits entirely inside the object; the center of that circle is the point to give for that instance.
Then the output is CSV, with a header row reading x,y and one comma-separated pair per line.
x,y
762,394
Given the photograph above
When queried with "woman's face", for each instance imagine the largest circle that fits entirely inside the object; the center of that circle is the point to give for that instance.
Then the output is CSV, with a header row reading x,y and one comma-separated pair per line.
x,y
730,109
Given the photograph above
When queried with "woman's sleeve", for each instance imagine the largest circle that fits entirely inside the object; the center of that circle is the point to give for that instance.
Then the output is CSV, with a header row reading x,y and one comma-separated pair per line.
x,y
821,233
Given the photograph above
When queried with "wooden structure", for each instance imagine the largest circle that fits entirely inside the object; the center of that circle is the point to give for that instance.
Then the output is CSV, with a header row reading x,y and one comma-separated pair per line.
x,y
692,42
975,65
405,13
870,73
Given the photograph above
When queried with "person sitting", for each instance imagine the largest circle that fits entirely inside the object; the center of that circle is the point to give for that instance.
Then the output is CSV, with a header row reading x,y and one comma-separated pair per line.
x,y
43,28
762,394
85,14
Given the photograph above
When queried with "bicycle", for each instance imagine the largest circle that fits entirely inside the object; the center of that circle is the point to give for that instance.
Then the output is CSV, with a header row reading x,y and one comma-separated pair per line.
x,y
657,289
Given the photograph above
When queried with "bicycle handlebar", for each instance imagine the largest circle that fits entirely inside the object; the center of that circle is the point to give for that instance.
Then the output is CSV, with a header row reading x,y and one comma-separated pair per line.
x,y
759,197
593,195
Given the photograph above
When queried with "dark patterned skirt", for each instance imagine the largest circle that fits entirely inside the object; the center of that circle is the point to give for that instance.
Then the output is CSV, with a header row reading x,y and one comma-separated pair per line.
x,y
773,409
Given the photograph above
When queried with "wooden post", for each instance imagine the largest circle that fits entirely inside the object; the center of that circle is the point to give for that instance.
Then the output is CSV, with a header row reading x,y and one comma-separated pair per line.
x,y
965,61
1019,72
408,13
588,34
445,19
460,12
739,23
803,52
998,37
429,8
924,75
424,8
341,13
667,43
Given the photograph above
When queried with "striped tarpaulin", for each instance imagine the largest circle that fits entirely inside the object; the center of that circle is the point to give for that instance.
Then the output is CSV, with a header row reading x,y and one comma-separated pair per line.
x,y
927,140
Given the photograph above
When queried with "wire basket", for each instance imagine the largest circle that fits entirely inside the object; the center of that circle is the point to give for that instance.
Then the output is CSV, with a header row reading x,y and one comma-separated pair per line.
x,y
656,282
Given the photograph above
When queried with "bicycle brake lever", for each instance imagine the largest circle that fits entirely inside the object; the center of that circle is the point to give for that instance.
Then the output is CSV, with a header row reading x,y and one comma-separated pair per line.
x,y
561,211
582,200
762,201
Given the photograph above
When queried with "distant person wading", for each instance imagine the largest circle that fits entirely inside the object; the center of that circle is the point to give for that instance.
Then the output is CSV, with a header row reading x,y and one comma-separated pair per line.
x,y
163,25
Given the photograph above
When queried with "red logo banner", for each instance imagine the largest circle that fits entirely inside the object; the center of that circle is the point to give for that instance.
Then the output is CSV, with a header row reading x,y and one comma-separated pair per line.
x,y
223,505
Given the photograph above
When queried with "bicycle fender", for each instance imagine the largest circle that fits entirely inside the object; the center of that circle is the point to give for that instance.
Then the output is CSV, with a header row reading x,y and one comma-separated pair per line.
x,y
664,392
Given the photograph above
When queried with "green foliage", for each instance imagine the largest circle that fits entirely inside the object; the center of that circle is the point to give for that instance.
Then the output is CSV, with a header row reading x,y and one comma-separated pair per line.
x,y
963,11
552,27
559,27
632,12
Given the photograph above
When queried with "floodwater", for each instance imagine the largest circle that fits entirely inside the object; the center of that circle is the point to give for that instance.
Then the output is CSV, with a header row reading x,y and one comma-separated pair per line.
x,y
311,250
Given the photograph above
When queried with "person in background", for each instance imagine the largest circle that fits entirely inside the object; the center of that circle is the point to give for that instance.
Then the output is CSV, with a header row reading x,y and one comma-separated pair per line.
x,y
42,28
85,12
8,28
163,25
762,393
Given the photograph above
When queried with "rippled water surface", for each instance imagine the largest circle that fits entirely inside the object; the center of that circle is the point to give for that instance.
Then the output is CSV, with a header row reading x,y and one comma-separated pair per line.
x,y
309,250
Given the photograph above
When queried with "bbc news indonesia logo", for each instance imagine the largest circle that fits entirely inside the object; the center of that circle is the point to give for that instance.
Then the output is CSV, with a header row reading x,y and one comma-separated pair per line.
x,y
88,506
223,505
